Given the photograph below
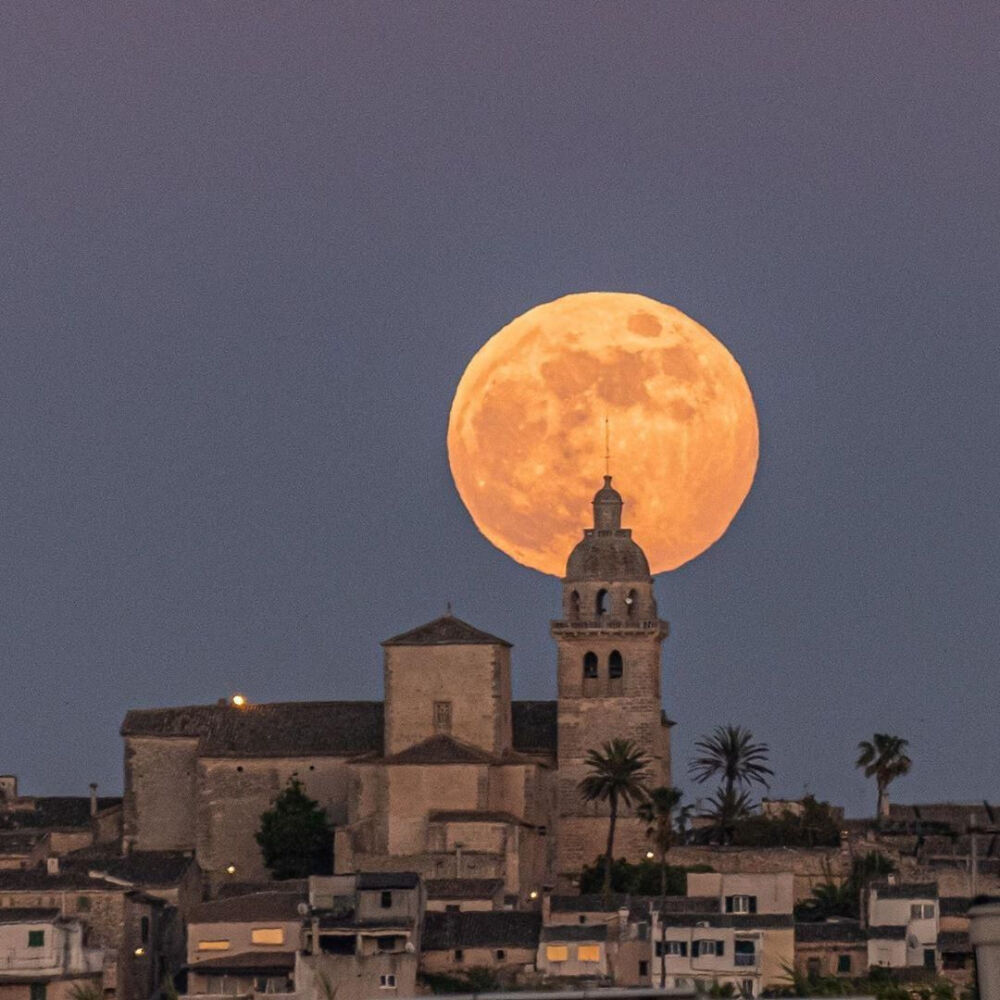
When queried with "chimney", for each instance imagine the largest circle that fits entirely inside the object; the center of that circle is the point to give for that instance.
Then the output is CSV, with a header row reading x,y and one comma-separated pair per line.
x,y
93,798
52,865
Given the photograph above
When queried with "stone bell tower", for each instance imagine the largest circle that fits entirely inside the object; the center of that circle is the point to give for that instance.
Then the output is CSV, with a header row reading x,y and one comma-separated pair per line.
x,y
608,642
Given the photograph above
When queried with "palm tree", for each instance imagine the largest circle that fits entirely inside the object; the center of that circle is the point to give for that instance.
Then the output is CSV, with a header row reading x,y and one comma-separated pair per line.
x,y
657,813
883,757
617,774
727,808
731,753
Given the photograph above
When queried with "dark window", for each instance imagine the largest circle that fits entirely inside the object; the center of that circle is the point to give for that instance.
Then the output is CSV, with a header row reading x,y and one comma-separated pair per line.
x,y
37,991
459,955
386,900
574,605
930,958
36,939
602,605
843,963
615,664
582,918
642,930
144,929
452,908
82,904
643,968
953,960
590,664
501,954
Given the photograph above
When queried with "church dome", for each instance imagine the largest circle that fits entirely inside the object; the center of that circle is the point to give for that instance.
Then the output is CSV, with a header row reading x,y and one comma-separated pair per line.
x,y
607,557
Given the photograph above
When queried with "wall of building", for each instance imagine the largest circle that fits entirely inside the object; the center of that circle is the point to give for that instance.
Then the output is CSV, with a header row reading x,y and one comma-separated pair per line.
x,y
474,679
160,783
827,953
239,936
55,989
775,892
515,960
354,977
416,790
233,793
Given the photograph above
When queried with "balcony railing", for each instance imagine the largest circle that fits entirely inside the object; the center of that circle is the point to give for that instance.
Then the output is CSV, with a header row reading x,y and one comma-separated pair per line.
x,y
749,958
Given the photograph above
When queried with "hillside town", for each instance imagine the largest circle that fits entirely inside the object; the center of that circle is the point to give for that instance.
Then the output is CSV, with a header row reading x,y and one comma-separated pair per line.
x,y
452,839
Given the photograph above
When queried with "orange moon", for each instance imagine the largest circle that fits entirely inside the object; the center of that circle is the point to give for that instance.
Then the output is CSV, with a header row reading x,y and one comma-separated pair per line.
x,y
526,435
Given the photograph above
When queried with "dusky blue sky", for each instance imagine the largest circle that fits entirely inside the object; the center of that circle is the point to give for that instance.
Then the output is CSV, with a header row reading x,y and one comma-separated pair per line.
x,y
248,250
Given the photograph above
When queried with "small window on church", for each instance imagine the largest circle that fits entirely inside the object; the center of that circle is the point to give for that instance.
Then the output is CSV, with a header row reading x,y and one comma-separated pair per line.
x,y
630,603
442,716
603,603
590,665
615,667
574,605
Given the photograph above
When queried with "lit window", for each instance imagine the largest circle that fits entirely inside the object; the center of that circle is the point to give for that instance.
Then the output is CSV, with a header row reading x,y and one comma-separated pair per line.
x,y
557,953
387,982
36,939
267,935
588,953
216,945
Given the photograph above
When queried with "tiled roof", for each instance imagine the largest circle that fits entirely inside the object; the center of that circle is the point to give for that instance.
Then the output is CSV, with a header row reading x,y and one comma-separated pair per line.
x,y
831,930
53,812
229,889
906,890
282,729
689,904
589,903
247,909
27,915
483,929
888,932
463,888
442,749
151,868
445,631
387,880
19,843
575,932
535,727
38,879
256,961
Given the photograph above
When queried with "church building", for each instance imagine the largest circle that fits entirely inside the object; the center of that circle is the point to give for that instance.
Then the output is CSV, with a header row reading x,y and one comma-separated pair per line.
x,y
449,777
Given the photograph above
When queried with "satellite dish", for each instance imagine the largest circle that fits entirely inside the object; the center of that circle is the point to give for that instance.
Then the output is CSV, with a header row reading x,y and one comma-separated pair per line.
x,y
302,909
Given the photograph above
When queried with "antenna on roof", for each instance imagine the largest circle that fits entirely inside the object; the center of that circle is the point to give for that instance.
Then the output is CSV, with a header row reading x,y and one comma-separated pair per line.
x,y
447,608
607,446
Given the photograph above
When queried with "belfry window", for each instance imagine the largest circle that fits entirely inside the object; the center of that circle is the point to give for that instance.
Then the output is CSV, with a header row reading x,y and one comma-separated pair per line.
x,y
574,605
603,603
615,666
590,665
630,603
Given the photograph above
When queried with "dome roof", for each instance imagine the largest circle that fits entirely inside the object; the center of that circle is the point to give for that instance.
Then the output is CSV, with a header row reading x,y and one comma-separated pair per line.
x,y
607,493
607,557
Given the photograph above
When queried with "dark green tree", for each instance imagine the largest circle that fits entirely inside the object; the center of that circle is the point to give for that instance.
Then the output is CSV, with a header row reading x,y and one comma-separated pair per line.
x,y
295,835
884,759
617,775
730,754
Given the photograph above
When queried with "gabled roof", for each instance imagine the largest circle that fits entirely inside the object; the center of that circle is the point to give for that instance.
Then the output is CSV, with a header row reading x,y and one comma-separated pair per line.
x,y
463,888
387,880
302,729
575,932
249,909
281,729
442,749
445,631
276,962
481,929
53,812
147,868
27,915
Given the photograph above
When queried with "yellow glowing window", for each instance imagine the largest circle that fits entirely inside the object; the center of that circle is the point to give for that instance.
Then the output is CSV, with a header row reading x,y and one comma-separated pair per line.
x,y
588,953
557,952
213,946
267,935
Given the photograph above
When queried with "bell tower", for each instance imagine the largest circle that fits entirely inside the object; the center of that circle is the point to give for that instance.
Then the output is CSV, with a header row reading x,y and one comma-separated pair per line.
x,y
608,644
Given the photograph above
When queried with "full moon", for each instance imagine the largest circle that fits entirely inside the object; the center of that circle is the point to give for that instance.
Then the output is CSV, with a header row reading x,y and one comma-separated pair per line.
x,y
542,401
